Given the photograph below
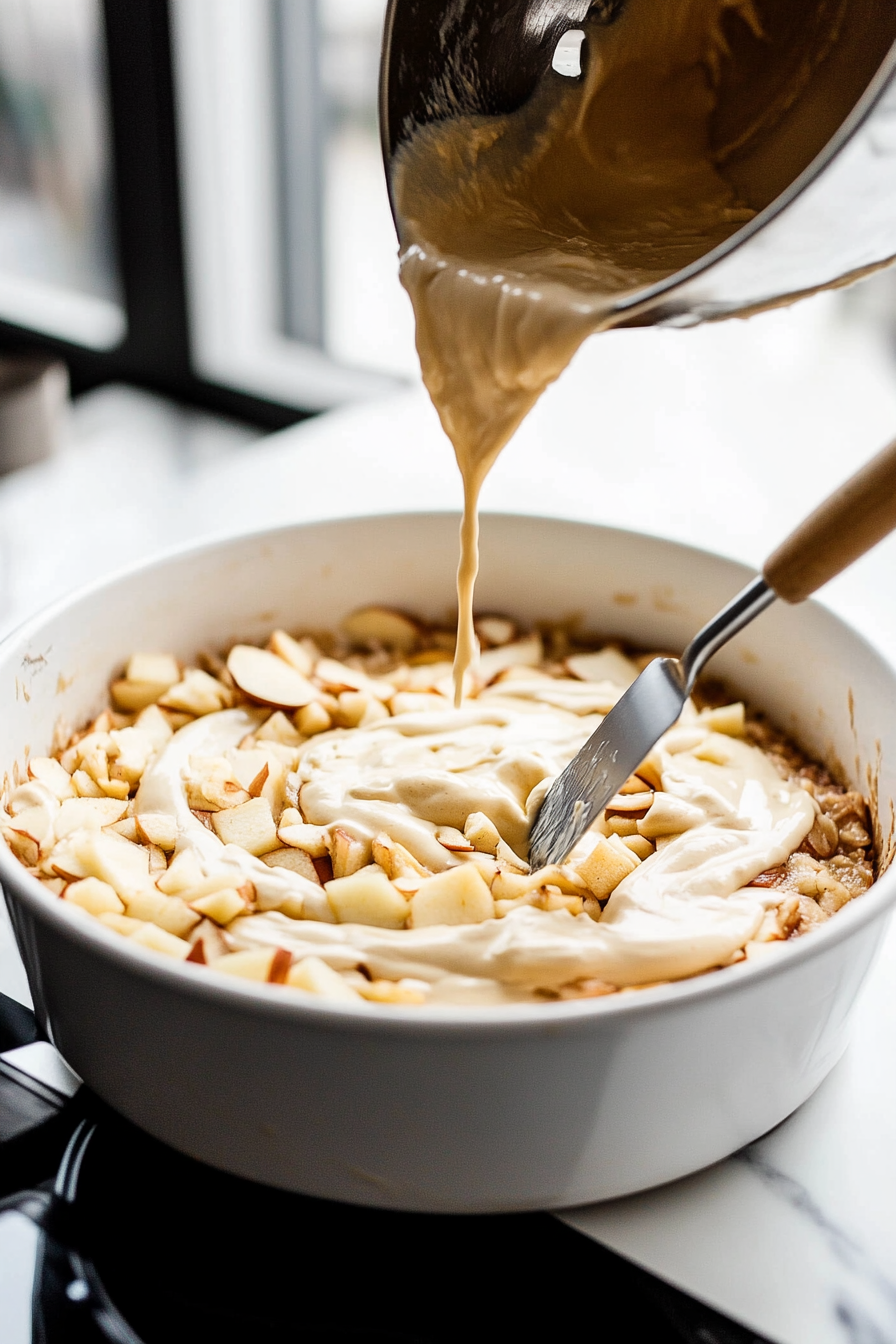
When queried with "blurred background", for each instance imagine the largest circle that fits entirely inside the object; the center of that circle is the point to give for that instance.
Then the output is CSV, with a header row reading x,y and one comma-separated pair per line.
x,y
195,239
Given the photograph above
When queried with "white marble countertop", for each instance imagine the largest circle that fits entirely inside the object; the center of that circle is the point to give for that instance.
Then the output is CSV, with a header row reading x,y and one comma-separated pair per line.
x,y
723,437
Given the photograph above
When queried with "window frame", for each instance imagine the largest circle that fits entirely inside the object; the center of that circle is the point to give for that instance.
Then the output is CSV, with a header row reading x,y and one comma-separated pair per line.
x,y
204,323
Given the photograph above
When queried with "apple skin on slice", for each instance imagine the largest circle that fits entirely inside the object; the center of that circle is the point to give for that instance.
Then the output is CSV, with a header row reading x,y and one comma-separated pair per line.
x,y
269,679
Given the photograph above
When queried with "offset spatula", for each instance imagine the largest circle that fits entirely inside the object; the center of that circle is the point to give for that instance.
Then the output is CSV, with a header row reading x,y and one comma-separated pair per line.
x,y
852,520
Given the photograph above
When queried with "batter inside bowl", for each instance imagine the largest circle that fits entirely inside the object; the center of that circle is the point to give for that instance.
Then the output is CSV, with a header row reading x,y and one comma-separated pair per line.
x,y
317,814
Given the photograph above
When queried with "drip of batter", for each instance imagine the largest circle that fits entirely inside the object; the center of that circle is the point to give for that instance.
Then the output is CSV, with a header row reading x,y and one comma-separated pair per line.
x,y
519,234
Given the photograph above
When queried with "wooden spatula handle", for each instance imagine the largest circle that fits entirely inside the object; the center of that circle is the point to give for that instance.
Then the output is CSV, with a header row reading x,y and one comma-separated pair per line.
x,y
854,518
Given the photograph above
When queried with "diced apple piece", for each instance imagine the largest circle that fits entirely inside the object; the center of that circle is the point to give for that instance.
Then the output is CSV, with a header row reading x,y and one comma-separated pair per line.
x,y
156,726
384,626
300,654
606,866
316,977
347,853
395,860
215,941
406,991
510,886
197,693
454,841
169,912
253,963
458,896
482,833
312,719
159,940
94,896
509,859
85,787
132,696
221,906
669,816
250,825
295,860
522,653
212,785
267,678
24,847
127,828
495,630
639,845
727,719
53,777
606,665
279,729
157,828
88,814
122,924
161,667
106,855
36,823
300,835
184,874
367,897
130,753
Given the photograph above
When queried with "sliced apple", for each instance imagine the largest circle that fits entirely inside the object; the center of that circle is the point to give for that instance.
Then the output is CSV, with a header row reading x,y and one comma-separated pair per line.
x,y
382,626
395,860
458,896
521,653
269,679
607,664
495,630
300,654
347,853
367,897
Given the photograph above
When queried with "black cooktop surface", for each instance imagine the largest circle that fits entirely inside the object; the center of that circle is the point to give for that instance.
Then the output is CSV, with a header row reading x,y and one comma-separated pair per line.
x,y
107,1234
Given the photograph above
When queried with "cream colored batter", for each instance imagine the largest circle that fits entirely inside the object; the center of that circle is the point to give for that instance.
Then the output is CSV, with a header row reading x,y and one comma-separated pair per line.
x,y
685,909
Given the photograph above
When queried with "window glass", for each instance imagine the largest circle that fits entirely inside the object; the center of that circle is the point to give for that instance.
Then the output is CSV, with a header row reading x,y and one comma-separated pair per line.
x,y
367,317
58,270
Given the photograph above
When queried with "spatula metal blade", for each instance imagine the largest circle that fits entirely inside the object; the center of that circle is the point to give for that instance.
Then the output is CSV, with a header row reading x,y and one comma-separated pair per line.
x,y
628,733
